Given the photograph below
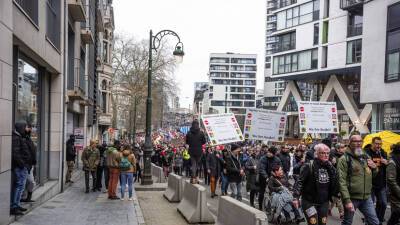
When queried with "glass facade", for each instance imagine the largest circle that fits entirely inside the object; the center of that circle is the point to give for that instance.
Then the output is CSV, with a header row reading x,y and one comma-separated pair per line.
x,y
304,13
294,62
393,44
354,49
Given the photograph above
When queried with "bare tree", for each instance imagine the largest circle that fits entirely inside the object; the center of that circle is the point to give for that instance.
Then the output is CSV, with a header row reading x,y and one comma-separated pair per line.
x,y
130,62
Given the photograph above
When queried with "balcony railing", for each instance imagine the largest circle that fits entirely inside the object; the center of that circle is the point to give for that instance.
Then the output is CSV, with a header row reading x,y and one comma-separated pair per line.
x,y
284,3
354,30
30,8
348,4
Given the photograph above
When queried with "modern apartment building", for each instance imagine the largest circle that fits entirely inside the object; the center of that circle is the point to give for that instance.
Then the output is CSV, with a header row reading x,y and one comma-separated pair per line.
x,y
318,53
259,98
232,83
47,78
200,100
380,70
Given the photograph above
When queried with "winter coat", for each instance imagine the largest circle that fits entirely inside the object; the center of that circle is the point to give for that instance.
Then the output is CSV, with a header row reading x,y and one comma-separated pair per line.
x,y
313,175
20,155
32,150
195,138
297,165
393,184
266,165
233,168
360,180
276,185
112,158
90,158
285,161
131,159
70,151
214,164
379,181
252,183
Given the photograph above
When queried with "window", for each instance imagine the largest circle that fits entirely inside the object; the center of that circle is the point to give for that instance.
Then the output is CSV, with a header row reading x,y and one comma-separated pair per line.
x,y
325,32
355,25
30,8
293,62
393,44
316,34
354,51
105,51
286,42
53,22
298,15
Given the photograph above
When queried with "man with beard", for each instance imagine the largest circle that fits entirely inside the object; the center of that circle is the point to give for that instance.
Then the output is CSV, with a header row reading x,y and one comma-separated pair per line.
x,y
266,164
355,170
334,157
299,160
316,185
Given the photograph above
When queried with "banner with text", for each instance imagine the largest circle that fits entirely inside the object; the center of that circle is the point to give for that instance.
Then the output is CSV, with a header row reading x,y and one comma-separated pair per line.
x,y
222,128
265,125
318,117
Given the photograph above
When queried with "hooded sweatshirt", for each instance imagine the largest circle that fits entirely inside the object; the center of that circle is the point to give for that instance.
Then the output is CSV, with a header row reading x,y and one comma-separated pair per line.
x,y
21,156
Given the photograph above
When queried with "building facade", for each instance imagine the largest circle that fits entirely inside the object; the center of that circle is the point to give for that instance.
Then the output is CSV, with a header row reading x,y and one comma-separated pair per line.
x,y
380,70
200,100
232,83
318,53
48,79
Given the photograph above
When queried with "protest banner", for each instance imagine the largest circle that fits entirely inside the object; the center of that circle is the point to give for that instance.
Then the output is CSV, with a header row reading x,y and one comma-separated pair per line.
x,y
265,125
318,117
222,128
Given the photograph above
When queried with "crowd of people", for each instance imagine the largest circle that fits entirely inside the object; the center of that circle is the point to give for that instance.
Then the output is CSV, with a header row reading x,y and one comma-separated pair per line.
x,y
290,182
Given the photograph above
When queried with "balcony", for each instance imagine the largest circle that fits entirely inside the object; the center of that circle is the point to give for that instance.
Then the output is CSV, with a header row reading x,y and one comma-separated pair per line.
x,y
76,10
76,82
354,30
87,36
284,3
284,46
351,5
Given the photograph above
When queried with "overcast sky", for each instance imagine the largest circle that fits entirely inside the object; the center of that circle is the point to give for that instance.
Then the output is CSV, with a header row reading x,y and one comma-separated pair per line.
x,y
204,26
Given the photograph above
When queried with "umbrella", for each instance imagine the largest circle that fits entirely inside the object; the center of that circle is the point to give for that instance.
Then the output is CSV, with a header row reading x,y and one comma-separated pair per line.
x,y
388,139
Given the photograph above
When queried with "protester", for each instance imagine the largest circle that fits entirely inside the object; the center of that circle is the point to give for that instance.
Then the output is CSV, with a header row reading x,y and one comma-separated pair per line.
x,y
355,170
101,168
316,186
224,172
252,176
393,184
113,160
299,160
70,157
336,153
214,169
195,138
186,161
266,163
178,163
30,181
127,166
235,172
20,156
285,158
90,159
379,191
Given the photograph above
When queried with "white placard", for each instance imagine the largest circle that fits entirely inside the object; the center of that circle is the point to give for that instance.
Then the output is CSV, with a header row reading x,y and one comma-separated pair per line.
x,y
265,125
318,117
222,128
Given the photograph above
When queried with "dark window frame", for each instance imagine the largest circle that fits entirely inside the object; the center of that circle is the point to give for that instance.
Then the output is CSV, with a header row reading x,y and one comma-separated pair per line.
x,y
313,62
387,52
347,52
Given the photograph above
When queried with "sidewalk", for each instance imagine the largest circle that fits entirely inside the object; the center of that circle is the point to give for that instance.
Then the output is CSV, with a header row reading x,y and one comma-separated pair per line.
x,y
75,207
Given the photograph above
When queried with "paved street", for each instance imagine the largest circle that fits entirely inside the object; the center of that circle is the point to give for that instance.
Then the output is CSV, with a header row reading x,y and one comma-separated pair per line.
x,y
75,207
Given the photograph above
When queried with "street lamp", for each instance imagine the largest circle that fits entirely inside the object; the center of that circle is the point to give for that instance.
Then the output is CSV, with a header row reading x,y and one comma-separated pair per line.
x,y
154,44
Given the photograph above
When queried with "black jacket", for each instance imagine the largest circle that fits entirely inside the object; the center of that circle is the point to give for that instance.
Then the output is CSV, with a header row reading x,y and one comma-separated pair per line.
x,y
379,181
21,155
70,154
214,164
285,161
297,165
195,138
32,150
266,165
252,183
233,168
275,185
308,184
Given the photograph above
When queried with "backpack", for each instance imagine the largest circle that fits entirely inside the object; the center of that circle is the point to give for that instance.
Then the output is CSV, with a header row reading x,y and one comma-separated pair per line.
x,y
124,165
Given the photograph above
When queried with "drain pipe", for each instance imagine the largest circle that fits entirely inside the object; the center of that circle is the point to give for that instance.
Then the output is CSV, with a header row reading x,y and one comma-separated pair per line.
x,y
65,20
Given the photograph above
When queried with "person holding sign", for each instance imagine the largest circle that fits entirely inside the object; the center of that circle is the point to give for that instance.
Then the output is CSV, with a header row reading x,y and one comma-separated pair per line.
x,y
195,138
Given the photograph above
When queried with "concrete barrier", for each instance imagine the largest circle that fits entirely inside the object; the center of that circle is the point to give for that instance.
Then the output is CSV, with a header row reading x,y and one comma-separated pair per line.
x,y
174,190
193,206
234,212
158,173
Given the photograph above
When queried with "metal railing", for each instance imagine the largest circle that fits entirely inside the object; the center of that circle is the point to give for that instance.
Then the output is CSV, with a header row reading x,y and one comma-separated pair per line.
x,y
345,4
284,46
354,30
30,7
284,3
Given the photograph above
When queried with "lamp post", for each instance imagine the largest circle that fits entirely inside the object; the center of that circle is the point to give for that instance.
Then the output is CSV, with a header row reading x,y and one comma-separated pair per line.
x,y
154,44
